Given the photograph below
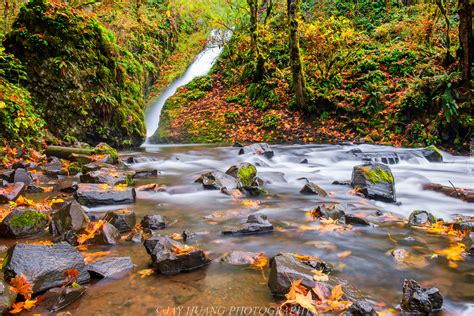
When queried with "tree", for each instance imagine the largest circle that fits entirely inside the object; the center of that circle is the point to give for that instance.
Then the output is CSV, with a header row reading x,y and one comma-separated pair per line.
x,y
299,85
257,55
465,38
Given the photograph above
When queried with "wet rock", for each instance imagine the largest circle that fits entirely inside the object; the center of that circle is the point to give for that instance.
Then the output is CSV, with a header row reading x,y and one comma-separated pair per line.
x,y
304,161
93,166
115,267
375,181
421,218
33,188
11,191
313,188
172,257
67,185
285,269
139,159
70,216
337,182
239,257
110,176
22,164
257,149
54,167
146,173
355,220
6,174
256,224
245,172
362,308
7,297
218,180
106,235
23,223
96,194
123,220
21,175
44,265
58,298
333,211
153,222
418,299
432,154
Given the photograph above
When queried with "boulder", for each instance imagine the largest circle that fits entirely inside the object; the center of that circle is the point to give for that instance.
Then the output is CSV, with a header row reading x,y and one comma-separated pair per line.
x,y
54,168
355,220
240,257
58,298
146,173
96,194
67,185
218,180
421,218
69,217
257,149
172,257
432,154
245,172
110,176
6,174
333,211
256,224
374,181
21,175
93,166
139,159
23,222
11,191
313,188
418,299
115,267
7,297
153,222
123,220
107,234
44,265
362,307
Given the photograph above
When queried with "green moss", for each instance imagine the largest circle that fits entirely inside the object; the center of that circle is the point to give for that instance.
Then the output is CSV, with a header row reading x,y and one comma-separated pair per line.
x,y
75,168
28,219
378,175
435,149
246,174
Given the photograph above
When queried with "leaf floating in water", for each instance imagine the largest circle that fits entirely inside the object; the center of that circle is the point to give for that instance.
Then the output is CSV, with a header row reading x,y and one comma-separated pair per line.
x,y
454,252
146,272
344,254
260,261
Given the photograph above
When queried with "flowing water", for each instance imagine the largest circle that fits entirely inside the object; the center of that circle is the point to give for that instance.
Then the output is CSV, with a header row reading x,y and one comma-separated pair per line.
x,y
369,267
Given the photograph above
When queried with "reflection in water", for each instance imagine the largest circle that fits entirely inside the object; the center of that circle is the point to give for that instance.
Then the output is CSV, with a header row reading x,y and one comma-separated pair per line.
x,y
368,268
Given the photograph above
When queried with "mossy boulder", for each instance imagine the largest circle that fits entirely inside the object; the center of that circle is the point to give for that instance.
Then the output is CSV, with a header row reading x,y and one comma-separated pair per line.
x,y
23,223
374,181
85,87
245,172
432,154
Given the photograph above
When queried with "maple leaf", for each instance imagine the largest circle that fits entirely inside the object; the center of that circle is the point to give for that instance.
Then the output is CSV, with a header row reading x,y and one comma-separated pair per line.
x,y
21,286
319,276
20,306
184,250
260,261
71,276
453,252
90,231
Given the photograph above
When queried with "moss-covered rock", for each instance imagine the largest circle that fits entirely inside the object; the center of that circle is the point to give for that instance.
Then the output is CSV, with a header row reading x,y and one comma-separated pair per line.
x,y
377,175
245,172
84,85
23,223
374,181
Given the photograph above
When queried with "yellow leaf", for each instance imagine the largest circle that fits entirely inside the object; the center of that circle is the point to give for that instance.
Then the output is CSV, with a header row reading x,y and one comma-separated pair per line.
x,y
145,272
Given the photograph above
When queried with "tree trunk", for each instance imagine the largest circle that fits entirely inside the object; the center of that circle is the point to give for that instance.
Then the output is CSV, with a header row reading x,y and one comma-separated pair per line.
x,y
257,56
293,10
465,38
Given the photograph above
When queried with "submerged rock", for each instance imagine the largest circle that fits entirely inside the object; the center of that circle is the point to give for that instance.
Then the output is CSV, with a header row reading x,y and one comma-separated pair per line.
x,y
7,297
115,267
257,149
218,180
172,257
153,222
110,176
256,224
375,181
313,188
97,194
44,265
418,299
11,191
355,220
23,223
58,298
421,218
70,217
240,257
123,220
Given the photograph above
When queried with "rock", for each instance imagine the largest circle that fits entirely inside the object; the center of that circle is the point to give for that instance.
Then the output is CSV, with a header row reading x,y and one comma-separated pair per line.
x,y
333,211
110,176
93,166
362,307
70,216
239,257
146,173
375,181
6,174
96,194
58,298
355,220
304,161
44,265
23,223
432,154
285,269
218,180
7,297
139,159
153,222
123,220
167,261
385,157
23,165
337,182
256,224
67,185
11,191
245,172
106,235
418,299
421,218
115,267
21,175
313,188
54,168
257,149
33,188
